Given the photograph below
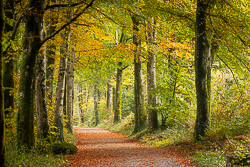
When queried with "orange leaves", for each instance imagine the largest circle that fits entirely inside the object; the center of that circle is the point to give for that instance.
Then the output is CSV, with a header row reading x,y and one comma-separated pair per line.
x,y
100,147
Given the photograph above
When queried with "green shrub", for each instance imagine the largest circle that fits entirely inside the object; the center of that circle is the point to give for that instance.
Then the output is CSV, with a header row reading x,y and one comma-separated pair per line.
x,y
63,148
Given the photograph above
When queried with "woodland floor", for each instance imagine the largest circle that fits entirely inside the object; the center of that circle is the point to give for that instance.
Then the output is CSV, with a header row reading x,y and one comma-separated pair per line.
x,y
100,147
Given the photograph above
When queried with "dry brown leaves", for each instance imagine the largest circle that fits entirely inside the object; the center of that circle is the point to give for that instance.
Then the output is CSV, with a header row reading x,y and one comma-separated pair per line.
x,y
100,147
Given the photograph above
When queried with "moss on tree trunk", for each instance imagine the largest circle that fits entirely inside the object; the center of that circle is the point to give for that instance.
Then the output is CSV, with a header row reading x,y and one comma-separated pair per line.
x,y
31,47
140,109
203,62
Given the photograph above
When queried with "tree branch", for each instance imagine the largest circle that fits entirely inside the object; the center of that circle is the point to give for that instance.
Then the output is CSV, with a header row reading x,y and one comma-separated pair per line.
x,y
13,33
63,5
230,71
68,23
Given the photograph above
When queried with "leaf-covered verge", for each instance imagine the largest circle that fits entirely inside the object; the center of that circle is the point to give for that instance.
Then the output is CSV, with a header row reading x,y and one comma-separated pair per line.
x,y
46,153
221,141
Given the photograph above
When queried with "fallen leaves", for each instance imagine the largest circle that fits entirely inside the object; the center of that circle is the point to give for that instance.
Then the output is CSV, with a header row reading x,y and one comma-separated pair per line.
x,y
100,147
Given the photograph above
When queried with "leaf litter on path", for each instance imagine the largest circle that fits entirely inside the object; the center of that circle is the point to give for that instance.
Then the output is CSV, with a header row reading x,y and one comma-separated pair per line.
x,y
102,148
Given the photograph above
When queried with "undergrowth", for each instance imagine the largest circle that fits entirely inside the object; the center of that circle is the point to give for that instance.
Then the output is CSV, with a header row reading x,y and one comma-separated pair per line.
x,y
211,151
42,155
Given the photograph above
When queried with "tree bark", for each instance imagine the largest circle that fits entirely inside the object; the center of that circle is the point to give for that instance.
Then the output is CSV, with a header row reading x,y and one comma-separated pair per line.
x,y
96,105
118,94
202,70
8,75
70,93
2,115
109,95
86,105
51,52
118,90
140,110
78,99
58,118
31,46
151,77
41,106
114,98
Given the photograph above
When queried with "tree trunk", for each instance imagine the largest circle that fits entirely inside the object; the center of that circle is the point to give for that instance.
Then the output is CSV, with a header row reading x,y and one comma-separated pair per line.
x,y
114,98
41,106
70,80
118,94
58,119
202,70
70,93
51,52
140,110
8,74
31,47
2,115
151,77
86,105
96,105
78,99
109,95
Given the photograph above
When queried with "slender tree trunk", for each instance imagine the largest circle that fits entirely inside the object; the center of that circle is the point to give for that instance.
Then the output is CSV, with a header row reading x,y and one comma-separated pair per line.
x,y
96,107
51,52
109,95
118,90
86,105
78,99
58,119
70,93
31,47
202,70
65,95
118,94
151,77
114,98
70,81
2,115
8,75
41,106
140,110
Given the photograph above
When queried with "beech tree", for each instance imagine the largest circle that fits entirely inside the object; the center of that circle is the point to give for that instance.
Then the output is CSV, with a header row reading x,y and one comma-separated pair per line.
x,y
202,69
41,105
70,81
140,110
151,75
96,104
109,95
31,46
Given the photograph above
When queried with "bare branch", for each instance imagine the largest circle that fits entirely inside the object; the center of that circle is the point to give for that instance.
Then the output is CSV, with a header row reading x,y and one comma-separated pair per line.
x,y
68,23
230,70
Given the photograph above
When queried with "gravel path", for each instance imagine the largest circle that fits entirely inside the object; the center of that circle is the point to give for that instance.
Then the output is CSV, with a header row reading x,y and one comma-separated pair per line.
x,y
100,147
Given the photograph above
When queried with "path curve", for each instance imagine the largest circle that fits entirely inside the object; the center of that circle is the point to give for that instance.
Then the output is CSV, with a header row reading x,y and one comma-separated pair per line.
x,y
100,148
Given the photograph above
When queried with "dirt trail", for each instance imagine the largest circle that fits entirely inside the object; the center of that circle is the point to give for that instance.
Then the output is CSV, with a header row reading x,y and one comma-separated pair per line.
x,y
100,147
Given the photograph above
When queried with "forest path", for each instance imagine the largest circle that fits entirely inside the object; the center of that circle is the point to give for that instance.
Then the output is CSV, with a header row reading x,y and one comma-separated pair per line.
x,y
102,148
